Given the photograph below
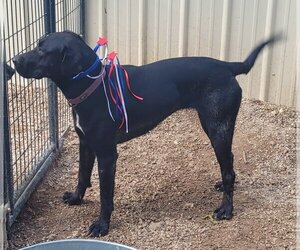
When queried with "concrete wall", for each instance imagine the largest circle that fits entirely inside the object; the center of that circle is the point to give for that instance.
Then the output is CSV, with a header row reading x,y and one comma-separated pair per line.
x,y
143,31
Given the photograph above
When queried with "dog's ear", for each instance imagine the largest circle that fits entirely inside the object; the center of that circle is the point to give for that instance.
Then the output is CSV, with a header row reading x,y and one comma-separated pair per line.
x,y
70,62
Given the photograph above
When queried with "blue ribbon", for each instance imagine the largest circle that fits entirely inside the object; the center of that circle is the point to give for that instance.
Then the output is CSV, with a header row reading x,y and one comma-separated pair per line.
x,y
88,71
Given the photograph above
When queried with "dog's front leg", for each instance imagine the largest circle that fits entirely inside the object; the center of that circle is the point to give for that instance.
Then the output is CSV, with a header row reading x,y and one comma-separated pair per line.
x,y
107,170
86,163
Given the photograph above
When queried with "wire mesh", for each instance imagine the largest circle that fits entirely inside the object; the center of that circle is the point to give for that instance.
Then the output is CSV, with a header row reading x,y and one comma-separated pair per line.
x,y
67,18
28,99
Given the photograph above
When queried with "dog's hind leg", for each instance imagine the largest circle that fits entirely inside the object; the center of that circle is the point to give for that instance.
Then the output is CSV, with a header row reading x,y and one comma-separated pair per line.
x,y
219,184
217,112
221,142
86,163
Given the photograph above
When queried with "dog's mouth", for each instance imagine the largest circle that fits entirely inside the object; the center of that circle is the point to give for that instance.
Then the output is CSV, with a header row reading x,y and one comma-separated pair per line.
x,y
37,76
26,74
34,76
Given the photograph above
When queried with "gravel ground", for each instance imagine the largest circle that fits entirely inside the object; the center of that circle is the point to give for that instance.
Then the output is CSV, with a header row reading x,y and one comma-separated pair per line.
x,y
165,188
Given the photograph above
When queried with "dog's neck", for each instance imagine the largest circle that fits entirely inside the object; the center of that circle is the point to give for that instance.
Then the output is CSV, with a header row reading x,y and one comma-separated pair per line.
x,y
72,88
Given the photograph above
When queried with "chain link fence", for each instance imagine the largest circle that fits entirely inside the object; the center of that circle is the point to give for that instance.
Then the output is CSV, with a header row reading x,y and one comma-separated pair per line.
x,y
36,116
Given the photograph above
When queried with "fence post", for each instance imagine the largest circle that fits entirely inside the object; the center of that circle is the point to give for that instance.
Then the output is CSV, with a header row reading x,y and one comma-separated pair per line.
x,y
3,198
6,190
2,177
49,6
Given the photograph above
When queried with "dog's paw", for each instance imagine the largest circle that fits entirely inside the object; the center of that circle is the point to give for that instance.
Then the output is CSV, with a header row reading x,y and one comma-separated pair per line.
x,y
71,198
98,228
224,212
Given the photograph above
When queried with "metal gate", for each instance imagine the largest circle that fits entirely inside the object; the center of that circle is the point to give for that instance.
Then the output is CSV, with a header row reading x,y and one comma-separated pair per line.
x,y
36,116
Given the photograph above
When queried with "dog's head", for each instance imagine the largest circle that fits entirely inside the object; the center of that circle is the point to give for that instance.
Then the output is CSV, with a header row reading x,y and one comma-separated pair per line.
x,y
58,56
9,71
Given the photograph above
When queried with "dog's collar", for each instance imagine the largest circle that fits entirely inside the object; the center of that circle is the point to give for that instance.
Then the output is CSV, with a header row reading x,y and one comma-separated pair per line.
x,y
79,99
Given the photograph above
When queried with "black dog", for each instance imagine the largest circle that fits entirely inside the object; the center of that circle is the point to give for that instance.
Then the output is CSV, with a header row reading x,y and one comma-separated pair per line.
x,y
205,84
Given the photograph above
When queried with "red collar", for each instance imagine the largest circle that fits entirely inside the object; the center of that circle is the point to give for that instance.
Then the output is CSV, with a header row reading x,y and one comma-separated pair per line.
x,y
79,99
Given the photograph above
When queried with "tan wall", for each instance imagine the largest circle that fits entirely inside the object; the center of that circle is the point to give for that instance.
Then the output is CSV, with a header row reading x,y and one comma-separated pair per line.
x,y
143,31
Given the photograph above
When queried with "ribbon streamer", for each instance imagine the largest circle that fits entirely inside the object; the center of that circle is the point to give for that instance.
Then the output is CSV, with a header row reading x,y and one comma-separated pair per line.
x,y
117,82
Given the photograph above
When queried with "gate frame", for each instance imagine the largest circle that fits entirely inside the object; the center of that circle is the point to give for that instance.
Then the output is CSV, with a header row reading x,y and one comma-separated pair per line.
x,y
4,152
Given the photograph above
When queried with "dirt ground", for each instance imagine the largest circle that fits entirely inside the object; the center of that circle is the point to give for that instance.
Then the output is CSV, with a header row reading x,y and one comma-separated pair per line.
x,y
165,188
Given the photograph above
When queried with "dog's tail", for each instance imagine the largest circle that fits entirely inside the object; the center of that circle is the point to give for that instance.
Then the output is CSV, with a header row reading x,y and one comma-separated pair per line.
x,y
238,68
